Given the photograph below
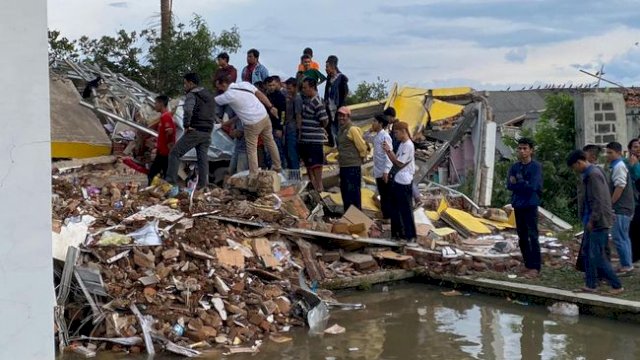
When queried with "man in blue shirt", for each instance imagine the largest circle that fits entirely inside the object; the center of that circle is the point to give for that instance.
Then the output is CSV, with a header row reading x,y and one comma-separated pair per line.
x,y
525,183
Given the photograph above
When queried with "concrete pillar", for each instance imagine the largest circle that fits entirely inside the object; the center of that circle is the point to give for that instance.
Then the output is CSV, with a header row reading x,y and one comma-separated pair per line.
x,y
26,275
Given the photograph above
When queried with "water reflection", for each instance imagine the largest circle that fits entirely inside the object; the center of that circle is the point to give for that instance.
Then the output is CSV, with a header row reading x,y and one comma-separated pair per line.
x,y
414,321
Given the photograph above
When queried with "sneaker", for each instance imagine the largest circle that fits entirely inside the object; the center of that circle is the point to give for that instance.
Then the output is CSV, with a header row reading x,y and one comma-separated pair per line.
x,y
173,192
615,292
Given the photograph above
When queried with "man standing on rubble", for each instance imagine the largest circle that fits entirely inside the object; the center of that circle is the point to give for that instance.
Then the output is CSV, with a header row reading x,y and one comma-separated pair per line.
x,y
279,100
596,214
312,136
525,183
352,150
199,116
166,138
254,72
404,167
335,95
390,114
633,163
378,136
623,205
249,105
292,126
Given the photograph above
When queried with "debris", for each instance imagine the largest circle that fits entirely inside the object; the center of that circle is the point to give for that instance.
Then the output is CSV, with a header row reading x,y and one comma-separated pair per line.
x,y
228,256
564,309
279,339
335,329
360,261
119,256
451,293
311,264
147,235
159,212
109,238
73,233
128,341
262,249
146,329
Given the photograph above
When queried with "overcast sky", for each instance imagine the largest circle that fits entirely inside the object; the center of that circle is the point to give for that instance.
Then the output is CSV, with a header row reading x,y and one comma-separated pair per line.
x,y
486,44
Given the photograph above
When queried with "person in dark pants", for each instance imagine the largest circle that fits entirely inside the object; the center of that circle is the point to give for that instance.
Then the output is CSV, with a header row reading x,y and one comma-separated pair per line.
x,y
335,96
390,114
293,124
378,136
352,150
402,224
525,183
166,138
199,115
633,164
279,101
596,213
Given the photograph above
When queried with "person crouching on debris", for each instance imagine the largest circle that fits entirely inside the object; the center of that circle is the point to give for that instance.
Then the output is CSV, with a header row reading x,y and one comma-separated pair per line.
x,y
166,138
596,213
525,183
378,136
198,118
404,167
352,150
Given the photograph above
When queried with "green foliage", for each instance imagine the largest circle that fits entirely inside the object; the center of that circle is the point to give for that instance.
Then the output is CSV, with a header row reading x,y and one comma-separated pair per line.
x,y
155,63
60,47
555,139
369,91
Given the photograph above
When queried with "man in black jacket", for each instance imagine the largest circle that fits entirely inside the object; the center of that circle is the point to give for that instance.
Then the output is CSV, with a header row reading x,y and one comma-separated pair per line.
x,y
597,217
198,118
335,96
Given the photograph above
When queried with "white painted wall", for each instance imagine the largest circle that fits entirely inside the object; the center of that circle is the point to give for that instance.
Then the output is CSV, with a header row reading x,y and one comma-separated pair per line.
x,y
26,277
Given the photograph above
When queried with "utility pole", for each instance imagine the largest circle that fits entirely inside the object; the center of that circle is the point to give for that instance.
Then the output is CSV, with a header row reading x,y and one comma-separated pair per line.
x,y
165,19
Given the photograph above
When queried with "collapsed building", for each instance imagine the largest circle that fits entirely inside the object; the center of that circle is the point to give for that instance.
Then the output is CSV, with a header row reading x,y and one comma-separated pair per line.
x,y
226,269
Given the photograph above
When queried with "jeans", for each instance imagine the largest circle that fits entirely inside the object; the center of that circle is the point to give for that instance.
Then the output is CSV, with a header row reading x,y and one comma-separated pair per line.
x,y
280,144
251,134
620,234
191,139
595,261
350,184
402,224
291,147
527,228
239,162
159,166
386,203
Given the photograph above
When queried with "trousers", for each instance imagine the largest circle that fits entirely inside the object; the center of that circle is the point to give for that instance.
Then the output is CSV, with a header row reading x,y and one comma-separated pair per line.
x,y
199,140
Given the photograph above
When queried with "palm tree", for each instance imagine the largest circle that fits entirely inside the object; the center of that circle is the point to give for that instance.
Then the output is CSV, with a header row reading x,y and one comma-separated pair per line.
x,y
165,19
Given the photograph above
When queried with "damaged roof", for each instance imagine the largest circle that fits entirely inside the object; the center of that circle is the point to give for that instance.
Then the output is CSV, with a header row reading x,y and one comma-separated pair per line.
x,y
509,105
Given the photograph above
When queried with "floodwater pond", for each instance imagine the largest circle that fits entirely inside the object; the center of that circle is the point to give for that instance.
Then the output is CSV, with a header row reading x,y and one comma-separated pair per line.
x,y
407,321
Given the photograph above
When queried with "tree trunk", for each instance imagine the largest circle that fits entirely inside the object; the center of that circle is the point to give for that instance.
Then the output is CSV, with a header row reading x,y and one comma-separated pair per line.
x,y
165,19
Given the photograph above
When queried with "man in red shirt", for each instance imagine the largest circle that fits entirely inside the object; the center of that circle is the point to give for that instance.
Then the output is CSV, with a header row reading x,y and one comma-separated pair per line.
x,y
166,138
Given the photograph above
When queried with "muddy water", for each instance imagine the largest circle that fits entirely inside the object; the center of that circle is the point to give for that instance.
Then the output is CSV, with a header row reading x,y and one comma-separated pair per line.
x,y
414,321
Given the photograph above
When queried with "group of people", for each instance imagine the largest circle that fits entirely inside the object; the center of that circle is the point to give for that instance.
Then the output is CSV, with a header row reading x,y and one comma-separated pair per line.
x,y
608,201
279,126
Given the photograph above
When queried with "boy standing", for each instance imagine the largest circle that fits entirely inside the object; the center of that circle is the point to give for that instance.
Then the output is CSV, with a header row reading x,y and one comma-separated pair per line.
x,y
378,136
525,183
166,138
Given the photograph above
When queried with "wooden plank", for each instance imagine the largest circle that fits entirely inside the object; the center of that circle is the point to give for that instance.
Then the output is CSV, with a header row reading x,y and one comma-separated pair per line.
x,y
362,242
368,279
311,264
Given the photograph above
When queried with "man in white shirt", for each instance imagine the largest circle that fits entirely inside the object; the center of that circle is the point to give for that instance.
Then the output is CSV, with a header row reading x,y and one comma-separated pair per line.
x,y
402,224
382,165
249,105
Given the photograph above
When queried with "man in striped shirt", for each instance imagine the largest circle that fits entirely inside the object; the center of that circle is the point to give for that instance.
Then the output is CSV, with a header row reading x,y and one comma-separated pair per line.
x,y
311,134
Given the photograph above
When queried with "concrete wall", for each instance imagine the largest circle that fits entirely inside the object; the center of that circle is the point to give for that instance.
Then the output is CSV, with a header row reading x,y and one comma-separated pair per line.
x,y
26,275
588,121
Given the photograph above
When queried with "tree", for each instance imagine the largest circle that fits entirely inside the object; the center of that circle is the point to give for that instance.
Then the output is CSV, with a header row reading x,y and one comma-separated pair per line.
x,y
187,50
61,48
369,91
148,59
554,136
165,18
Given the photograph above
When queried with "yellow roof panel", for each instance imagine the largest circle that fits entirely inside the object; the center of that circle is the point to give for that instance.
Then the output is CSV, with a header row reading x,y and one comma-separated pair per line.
x,y
467,221
367,199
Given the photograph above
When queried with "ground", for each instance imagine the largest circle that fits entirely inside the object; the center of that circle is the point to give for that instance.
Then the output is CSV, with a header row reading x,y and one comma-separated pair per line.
x,y
570,279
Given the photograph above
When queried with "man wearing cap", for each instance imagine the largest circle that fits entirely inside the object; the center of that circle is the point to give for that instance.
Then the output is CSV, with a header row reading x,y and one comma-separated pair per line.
x,y
352,150
378,136
402,225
